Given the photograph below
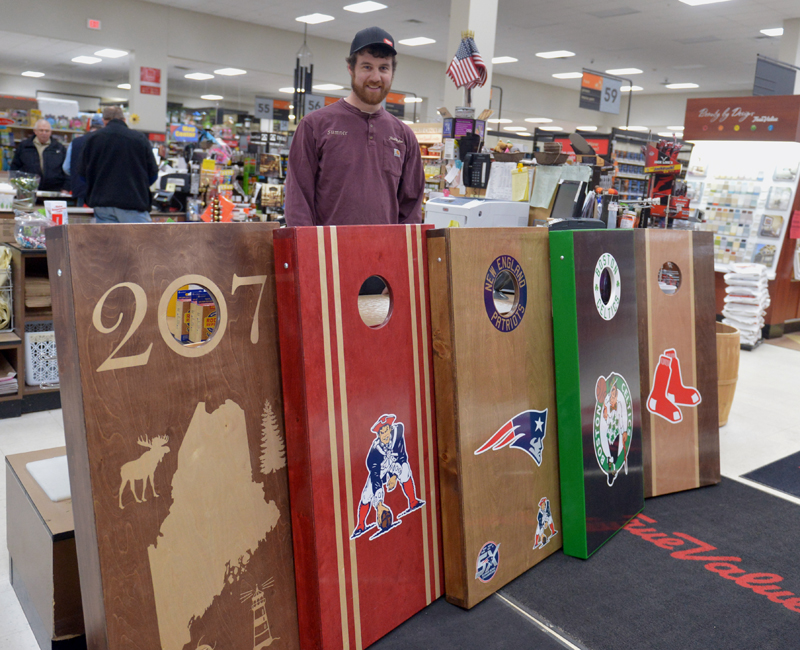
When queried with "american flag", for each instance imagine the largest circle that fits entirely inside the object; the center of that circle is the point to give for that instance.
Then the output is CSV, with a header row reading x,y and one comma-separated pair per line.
x,y
467,68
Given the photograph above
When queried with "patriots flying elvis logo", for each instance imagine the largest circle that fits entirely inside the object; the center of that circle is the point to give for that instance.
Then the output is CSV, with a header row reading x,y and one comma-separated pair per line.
x,y
525,431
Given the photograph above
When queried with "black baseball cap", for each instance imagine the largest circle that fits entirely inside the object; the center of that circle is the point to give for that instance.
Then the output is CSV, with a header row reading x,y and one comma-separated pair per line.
x,y
372,36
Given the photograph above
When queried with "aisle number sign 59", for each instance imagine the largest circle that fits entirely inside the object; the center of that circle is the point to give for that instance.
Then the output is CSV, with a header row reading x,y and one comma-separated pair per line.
x,y
140,358
600,92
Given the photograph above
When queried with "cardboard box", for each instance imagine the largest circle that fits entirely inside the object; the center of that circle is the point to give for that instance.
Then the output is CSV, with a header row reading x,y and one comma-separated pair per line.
x,y
202,320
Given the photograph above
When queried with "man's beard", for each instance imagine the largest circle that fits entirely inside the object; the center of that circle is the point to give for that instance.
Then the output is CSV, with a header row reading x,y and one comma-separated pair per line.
x,y
368,98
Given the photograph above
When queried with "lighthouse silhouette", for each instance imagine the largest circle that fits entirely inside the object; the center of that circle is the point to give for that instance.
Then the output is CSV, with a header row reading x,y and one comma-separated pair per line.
x,y
262,637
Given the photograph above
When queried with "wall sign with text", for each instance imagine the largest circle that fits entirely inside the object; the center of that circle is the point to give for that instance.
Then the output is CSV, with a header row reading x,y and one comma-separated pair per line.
x,y
600,92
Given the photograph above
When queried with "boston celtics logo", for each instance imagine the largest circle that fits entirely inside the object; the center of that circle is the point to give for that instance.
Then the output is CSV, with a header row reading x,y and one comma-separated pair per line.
x,y
606,286
613,425
505,293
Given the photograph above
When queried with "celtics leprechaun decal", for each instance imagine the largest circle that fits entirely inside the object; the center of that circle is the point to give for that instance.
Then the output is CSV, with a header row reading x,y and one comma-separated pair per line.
x,y
612,425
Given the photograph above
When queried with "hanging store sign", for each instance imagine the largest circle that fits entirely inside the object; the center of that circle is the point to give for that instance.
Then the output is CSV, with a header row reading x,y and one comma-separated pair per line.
x,y
743,118
264,108
395,104
150,81
313,103
183,132
600,92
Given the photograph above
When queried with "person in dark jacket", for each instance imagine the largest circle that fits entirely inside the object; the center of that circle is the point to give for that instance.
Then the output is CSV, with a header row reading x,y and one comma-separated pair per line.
x,y
74,151
118,166
42,154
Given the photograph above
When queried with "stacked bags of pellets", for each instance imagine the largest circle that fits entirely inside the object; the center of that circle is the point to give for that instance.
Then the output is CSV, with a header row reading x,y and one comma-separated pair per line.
x,y
747,300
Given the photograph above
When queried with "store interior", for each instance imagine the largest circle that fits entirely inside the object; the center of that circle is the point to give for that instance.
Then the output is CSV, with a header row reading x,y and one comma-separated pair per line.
x,y
225,72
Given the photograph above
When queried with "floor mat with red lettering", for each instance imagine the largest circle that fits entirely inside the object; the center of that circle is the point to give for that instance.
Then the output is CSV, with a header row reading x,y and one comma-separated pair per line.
x,y
711,568
783,475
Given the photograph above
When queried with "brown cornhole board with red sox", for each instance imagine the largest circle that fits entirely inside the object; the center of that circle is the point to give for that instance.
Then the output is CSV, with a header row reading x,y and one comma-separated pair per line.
x,y
176,453
678,360
361,437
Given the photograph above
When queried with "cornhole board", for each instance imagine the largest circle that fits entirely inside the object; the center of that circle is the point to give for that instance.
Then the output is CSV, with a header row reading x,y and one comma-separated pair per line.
x,y
205,558
43,566
359,411
597,382
678,360
495,407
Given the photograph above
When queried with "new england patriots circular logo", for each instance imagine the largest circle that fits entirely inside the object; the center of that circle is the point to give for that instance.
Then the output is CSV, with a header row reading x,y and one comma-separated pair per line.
x,y
488,561
504,313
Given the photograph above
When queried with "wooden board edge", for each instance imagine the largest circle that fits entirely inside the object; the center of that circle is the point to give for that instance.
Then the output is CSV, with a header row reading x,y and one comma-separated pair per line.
x,y
301,489
86,536
568,399
706,345
642,288
445,383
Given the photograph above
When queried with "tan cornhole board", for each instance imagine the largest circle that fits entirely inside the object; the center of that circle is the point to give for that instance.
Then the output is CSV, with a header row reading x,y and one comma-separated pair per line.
x,y
680,425
495,406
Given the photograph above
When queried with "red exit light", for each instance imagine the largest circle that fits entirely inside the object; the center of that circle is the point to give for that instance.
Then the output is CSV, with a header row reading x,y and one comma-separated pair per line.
x,y
93,24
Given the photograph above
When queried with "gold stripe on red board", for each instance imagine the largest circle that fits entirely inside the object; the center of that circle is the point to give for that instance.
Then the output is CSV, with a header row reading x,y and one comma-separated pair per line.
x,y
420,441
423,300
348,477
337,517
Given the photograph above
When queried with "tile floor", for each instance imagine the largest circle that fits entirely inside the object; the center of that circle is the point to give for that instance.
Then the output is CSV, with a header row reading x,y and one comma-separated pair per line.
x,y
763,426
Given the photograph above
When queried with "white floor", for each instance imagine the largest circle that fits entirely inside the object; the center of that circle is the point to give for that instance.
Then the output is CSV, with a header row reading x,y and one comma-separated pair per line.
x,y
764,425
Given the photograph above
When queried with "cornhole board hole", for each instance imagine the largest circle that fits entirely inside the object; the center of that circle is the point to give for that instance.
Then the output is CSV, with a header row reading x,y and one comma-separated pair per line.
x,y
597,382
677,360
176,452
361,439
41,553
496,405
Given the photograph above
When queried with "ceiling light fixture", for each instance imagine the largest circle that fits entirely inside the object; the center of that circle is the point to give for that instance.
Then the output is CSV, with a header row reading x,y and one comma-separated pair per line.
x,y
211,98
773,31
230,72
499,120
406,121
31,73
551,128
291,117
681,86
504,59
88,60
628,89
314,19
289,90
364,7
555,54
412,100
419,40
198,76
634,128
514,128
538,120
670,134
568,75
124,86
586,128
619,71
327,87
696,3
108,53
675,128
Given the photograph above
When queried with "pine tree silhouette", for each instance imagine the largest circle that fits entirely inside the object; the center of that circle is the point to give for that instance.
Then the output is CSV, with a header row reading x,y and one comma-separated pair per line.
x,y
273,454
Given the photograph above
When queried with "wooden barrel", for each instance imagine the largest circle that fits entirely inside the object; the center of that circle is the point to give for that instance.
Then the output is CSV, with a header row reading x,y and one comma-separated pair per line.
x,y
727,368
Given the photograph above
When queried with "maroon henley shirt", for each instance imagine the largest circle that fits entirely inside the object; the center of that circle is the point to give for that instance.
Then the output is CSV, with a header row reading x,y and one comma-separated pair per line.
x,y
349,167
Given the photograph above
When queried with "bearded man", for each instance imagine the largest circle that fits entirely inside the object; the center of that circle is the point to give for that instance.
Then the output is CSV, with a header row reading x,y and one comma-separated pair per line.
x,y
352,162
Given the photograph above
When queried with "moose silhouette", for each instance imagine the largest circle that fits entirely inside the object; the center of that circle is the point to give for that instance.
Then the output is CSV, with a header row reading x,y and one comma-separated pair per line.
x,y
143,468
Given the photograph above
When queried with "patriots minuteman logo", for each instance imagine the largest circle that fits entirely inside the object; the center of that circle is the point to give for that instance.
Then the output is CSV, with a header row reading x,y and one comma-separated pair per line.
x,y
525,431
612,425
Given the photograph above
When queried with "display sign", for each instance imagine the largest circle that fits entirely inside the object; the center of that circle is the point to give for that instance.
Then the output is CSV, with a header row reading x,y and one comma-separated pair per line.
x,y
264,109
183,132
600,92
395,105
743,118
281,111
150,75
150,90
497,430
91,23
313,103
600,145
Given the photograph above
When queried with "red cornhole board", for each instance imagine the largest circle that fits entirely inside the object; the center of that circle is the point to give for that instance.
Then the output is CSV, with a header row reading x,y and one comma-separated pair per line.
x,y
359,411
